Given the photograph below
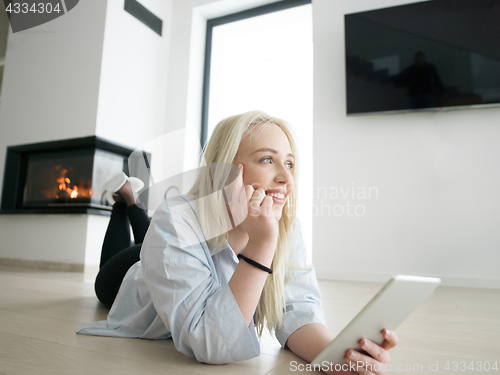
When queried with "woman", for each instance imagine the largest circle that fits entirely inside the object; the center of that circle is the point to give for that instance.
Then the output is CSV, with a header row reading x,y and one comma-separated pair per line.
x,y
230,256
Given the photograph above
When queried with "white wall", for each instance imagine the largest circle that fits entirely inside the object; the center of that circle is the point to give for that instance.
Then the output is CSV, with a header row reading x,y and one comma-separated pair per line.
x,y
133,79
437,211
51,79
133,85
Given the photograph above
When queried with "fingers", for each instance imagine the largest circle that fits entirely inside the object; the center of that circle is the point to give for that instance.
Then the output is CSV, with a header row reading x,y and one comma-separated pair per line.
x,y
234,182
267,205
260,203
240,176
364,364
378,356
376,352
391,339
261,198
255,200
245,191
256,196
248,191
238,197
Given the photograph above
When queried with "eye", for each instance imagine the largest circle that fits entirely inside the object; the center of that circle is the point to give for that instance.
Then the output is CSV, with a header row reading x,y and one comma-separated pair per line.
x,y
268,160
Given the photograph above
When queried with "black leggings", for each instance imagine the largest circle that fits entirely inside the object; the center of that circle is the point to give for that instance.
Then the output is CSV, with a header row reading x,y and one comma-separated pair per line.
x,y
117,254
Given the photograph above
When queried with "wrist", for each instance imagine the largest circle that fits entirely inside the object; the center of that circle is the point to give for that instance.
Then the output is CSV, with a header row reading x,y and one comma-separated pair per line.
x,y
255,264
263,243
260,251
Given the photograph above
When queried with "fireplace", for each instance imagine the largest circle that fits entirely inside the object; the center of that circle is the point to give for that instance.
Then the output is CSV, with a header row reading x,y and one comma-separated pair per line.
x,y
65,176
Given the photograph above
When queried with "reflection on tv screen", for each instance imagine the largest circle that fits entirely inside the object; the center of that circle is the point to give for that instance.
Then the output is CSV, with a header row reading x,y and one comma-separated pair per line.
x,y
423,56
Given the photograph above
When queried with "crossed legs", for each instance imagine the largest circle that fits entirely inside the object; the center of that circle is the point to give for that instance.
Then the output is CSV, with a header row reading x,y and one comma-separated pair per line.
x,y
118,254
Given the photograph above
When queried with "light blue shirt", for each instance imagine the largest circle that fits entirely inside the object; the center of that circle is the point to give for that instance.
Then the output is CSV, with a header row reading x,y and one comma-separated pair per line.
x,y
182,292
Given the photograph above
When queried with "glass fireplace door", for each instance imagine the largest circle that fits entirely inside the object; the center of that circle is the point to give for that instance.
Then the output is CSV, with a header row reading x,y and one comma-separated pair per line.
x,y
71,177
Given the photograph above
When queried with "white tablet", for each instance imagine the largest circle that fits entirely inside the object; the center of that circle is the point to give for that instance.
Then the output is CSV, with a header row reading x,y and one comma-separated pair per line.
x,y
387,309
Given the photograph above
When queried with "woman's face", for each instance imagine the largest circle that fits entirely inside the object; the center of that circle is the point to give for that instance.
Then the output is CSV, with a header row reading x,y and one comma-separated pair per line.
x,y
268,163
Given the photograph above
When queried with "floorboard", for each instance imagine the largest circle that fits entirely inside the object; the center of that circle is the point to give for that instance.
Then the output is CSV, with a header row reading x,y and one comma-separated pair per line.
x,y
40,311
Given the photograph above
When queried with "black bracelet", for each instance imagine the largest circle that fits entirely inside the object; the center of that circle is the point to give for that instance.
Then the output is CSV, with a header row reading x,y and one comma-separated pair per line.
x,y
255,264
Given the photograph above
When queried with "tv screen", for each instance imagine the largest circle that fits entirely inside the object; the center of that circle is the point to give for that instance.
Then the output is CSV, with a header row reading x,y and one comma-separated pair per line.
x,y
423,56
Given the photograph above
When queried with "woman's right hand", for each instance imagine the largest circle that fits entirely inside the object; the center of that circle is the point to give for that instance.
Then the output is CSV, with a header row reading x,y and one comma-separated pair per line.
x,y
251,210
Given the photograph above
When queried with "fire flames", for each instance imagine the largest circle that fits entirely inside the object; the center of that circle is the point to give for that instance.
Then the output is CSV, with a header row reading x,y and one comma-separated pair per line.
x,y
64,185
67,189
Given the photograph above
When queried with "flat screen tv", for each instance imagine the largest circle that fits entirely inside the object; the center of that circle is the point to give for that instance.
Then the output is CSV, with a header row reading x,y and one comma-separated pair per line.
x,y
423,56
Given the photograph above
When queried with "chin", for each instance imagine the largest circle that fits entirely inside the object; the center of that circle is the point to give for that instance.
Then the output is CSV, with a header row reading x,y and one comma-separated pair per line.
x,y
278,214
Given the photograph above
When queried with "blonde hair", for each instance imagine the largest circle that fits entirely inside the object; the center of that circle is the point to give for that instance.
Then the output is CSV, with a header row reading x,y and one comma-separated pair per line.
x,y
216,169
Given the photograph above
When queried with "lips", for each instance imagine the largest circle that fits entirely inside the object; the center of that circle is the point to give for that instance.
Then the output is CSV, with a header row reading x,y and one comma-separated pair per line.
x,y
278,195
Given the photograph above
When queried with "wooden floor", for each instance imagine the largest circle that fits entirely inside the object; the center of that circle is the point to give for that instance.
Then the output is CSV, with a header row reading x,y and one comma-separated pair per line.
x,y
40,311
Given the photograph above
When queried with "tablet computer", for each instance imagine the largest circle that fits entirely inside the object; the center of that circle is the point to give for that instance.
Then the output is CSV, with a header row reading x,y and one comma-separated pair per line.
x,y
397,299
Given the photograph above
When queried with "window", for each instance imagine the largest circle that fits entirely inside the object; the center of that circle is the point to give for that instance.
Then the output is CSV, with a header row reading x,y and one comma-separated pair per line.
x,y
262,59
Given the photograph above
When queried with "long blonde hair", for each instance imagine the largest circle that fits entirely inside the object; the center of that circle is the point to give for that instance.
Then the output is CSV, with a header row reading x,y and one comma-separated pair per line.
x,y
216,168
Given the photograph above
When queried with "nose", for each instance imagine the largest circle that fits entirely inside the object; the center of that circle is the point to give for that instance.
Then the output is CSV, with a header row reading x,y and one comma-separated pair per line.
x,y
283,175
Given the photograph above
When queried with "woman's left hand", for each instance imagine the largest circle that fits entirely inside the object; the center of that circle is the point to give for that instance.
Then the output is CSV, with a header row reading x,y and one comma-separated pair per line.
x,y
378,358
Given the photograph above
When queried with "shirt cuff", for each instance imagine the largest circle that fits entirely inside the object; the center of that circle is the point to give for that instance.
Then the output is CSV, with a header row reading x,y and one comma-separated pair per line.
x,y
294,319
240,339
